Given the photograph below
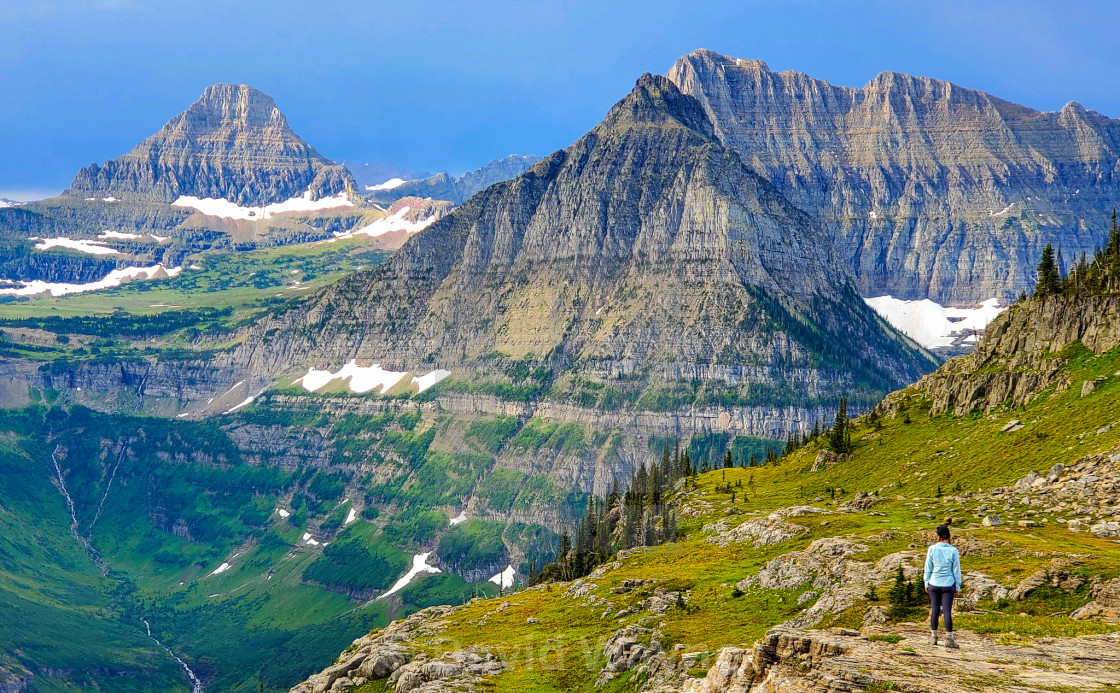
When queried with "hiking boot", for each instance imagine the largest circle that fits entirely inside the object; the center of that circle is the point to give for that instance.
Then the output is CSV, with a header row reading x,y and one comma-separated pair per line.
x,y
933,637
951,642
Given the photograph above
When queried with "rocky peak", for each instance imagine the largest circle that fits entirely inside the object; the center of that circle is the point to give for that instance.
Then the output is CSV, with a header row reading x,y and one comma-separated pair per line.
x,y
656,101
233,143
234,106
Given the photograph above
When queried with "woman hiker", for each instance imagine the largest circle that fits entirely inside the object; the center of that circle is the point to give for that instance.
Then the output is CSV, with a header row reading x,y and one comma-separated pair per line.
x,y
943,581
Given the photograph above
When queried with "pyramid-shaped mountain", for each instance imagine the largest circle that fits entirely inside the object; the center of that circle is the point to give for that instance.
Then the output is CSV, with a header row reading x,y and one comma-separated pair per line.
x,y
647,255
233,143
930,190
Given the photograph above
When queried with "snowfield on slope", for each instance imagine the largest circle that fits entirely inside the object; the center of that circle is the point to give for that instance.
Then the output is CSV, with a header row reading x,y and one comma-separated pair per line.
x,y
112,280
219,207
82,246
362,378
366,378
423,382
419,565
396,221
933,325
504,579
388,185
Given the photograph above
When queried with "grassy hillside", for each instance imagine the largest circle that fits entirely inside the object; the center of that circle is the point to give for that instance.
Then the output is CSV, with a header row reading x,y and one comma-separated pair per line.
x,y
917,469
190,311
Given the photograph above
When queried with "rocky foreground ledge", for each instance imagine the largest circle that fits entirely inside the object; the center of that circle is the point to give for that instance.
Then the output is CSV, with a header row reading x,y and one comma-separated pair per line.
x,y
785,660
790,660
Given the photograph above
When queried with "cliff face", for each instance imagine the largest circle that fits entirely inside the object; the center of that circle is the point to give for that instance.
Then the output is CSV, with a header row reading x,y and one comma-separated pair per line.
x,y
646,252
929,189
233,143
1022,353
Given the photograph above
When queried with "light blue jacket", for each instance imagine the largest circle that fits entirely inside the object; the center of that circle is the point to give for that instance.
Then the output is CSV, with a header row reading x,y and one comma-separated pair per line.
x,y
943,566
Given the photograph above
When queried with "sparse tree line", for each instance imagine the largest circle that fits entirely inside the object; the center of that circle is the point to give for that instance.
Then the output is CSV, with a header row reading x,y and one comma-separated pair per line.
x,y
640,514
1084,278
838,437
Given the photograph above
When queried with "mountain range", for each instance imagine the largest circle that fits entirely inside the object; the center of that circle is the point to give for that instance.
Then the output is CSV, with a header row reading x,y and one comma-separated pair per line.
x,y
646,256
331,380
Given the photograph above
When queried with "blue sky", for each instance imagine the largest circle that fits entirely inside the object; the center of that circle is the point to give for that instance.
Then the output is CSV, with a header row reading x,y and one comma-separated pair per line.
x,y
450,85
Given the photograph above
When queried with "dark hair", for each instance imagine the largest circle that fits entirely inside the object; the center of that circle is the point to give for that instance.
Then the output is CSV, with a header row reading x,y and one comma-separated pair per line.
x,y
942,532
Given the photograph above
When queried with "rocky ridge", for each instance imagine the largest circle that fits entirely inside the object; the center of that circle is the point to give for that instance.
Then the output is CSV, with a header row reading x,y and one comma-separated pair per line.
x,y
442,186
1021,355
930,190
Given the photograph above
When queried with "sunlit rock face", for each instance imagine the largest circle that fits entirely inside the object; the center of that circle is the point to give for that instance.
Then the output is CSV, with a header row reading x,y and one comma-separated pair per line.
x,y
931,190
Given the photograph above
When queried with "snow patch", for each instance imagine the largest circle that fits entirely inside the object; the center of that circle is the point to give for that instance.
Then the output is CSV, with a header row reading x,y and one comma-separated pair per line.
x,y
504,579
423,382
244,403
351,516
91,247
362,378
119,235
459,519
282,512
1003,211
933,325
394,222
419,565
159,239
387,185
114,279
220,207
221,569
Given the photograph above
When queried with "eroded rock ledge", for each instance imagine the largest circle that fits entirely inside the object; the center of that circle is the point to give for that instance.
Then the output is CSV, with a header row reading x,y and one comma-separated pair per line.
x,y
788,660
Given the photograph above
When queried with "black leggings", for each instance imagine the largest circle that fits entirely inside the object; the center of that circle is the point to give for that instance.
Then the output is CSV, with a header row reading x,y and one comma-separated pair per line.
x,y
941,602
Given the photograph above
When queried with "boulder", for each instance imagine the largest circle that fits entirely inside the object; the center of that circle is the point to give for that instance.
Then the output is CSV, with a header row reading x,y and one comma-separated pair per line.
x,y
1106,606
1029,584
625,650
992,520
1026,482
760,531
1090,386
1106,529
824,460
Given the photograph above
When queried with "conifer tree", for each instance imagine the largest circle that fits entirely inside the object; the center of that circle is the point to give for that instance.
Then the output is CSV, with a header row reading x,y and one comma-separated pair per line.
x,y
1049,276
839,438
